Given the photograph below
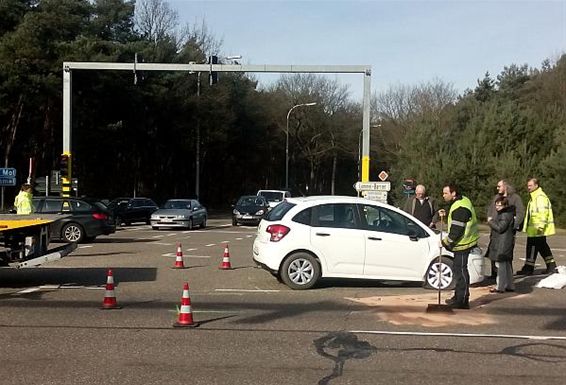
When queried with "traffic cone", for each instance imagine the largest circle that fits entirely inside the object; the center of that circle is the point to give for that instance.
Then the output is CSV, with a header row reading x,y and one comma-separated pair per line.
x,y
185,314
109,297
179,264
225,265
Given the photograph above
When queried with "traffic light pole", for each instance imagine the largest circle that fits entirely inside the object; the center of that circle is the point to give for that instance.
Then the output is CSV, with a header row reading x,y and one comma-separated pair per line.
x,y
68,67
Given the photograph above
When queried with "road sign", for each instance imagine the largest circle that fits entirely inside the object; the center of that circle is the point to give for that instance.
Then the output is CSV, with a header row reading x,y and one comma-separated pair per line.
x,y
7,176
372,186
383,176
380,196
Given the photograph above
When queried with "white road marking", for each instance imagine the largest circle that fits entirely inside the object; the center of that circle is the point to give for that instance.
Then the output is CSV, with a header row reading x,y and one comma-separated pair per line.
x,y
225,242
169,255
171,234
185,232
239,239
249,236
210,244
29,290
197,256
476,335
85,246
163,243
49,287
248,290
157,236
191,249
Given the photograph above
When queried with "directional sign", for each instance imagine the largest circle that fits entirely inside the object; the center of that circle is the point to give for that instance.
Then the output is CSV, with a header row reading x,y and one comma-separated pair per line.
x,y
7,176
372,186
383,176
380,196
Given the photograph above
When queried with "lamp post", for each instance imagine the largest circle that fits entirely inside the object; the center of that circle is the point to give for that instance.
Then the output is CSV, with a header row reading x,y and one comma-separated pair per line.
x,y
360,149
287,141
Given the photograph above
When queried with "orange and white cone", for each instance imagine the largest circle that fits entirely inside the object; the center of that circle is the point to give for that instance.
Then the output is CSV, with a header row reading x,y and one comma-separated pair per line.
x,y
225,265
109,296
179,264
185,314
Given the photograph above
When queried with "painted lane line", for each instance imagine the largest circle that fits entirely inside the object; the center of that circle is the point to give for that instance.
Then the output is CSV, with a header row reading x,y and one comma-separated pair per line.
x,y
85,246
248,290
49,287
239,239
168,255
171,234
210,244
191,249
249,236
185,232
225,242
197,256
474,335
163,243
29,290
157,236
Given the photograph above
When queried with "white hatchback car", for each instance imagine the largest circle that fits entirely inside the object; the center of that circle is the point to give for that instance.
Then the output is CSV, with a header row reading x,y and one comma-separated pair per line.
x,y
304,239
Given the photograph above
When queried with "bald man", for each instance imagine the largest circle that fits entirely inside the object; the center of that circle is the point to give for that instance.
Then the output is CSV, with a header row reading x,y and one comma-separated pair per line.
x,y
422,207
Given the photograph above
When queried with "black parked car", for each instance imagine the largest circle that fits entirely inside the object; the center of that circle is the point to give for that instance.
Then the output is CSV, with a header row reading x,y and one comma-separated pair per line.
x,y
88,218
130,210
249,210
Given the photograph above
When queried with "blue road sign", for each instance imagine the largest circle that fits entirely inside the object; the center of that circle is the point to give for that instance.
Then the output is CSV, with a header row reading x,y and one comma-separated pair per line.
x,y
7,176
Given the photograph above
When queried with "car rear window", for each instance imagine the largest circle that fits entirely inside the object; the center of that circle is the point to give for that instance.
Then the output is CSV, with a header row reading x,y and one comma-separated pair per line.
x,y
279,211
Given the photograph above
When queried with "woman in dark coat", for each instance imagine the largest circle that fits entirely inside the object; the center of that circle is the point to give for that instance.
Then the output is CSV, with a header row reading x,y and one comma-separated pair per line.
x,y
502,243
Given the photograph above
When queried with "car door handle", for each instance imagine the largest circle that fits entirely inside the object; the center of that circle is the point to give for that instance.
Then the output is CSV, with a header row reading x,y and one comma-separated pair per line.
x,y
374,239
323,234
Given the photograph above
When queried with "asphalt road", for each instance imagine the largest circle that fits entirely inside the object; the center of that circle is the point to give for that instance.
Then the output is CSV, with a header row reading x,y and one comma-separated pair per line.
x,y
254,330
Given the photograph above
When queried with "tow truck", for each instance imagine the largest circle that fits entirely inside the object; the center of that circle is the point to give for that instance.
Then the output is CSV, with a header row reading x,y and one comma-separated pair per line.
x,y
24,240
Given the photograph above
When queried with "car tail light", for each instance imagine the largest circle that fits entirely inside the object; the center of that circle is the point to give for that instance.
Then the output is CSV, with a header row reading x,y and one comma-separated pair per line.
x,y
100,216
277,232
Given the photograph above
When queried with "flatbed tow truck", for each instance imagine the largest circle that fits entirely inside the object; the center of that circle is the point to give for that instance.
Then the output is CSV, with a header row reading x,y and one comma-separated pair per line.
x,y
24,240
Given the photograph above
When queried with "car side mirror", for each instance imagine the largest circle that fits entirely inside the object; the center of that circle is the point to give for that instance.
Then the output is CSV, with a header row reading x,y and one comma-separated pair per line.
x,y
413,236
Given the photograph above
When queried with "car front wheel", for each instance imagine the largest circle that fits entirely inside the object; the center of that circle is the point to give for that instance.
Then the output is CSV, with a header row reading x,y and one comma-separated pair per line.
x,y
300,271
442,273
73,232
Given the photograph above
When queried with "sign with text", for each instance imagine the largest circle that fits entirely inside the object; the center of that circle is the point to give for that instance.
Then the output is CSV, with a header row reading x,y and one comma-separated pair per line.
x,y
7,176
372,186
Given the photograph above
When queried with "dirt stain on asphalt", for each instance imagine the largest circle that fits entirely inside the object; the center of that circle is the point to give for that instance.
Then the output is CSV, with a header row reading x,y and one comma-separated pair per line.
x,y
411,309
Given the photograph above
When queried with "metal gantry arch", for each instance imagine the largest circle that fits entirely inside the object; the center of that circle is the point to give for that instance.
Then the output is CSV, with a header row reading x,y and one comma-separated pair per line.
x,y
68,67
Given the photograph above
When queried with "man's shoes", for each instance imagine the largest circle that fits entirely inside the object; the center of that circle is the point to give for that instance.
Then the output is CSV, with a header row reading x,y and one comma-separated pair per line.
x,y
509,290
551,269
460,305
494,290
450,301
525,271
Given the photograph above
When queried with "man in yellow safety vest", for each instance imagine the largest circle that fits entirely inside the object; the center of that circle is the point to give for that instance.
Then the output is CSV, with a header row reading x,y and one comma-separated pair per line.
x,y
462,236
538,224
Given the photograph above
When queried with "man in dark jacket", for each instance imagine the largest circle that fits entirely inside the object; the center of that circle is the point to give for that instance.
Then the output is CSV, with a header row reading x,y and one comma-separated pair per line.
x,y
422,207
502,243
504,189
462,236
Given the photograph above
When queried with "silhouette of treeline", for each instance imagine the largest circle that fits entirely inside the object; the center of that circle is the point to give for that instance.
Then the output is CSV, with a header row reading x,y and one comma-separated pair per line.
x,y
140,137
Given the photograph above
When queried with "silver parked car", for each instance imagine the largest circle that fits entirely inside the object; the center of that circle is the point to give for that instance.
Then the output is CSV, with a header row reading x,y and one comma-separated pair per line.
x,y
186,213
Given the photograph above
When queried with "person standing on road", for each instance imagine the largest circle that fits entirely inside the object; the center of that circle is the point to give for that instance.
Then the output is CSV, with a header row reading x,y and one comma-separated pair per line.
x,y
502,243
504,189
422,207
23,202
462,236
538,224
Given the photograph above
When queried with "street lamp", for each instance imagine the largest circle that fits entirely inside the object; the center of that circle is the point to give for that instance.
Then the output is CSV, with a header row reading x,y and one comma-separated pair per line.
x,y
360,150
287,141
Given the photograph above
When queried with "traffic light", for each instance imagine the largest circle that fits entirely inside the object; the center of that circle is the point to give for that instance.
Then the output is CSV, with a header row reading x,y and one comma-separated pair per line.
x,y
213,76
65,165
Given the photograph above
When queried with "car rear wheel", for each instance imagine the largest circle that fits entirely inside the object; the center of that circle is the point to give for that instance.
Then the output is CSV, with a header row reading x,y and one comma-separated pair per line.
x,y
300,271
442,272
203,224
234,222
73,232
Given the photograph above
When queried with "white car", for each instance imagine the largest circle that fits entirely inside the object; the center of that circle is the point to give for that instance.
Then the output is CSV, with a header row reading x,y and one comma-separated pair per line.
x,y
274,197
304,239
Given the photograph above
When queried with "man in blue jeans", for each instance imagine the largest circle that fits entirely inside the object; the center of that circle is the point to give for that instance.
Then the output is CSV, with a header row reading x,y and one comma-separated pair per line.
x,y
462,236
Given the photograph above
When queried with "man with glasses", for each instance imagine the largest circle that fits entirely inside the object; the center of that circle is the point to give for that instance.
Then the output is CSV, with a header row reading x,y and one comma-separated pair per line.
x,y
505,189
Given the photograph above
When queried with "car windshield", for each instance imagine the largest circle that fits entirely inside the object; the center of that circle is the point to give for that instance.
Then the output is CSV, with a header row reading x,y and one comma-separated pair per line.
x,y
279,211
272,196
250,201
177,205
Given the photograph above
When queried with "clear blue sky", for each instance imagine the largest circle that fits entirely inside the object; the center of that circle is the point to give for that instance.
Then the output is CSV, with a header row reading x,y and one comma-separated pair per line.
x,y
405,42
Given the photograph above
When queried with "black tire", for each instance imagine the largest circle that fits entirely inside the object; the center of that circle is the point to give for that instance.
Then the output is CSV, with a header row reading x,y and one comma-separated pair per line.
x,y
155,227
190,225
300,271
446,274
203,224
234,222
73,232
119,221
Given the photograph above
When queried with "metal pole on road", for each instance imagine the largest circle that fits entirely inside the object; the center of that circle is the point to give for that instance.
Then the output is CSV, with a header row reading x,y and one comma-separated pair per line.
x,y
287,141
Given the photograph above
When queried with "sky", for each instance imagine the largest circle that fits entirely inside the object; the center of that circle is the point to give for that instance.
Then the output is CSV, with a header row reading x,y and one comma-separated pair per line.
x,y
405,42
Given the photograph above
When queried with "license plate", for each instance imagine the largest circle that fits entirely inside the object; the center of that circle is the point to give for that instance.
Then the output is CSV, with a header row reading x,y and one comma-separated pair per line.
x,y
247,217
167,220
